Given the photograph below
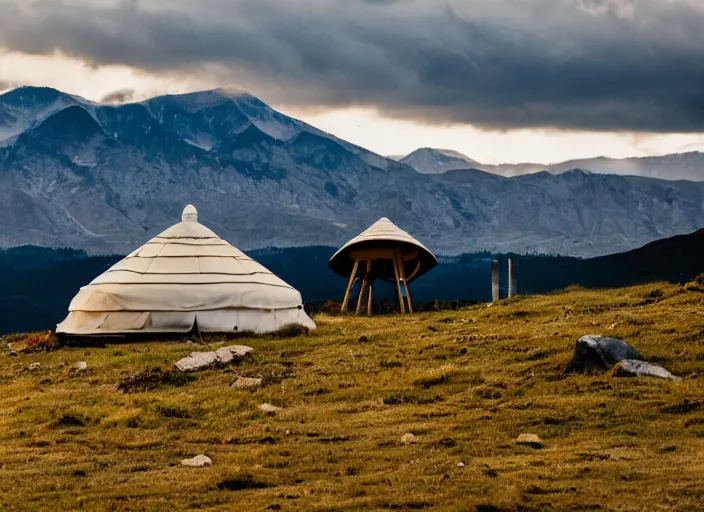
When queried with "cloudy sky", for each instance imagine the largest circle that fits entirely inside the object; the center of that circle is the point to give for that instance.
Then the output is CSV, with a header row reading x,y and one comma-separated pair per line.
x,y
500,80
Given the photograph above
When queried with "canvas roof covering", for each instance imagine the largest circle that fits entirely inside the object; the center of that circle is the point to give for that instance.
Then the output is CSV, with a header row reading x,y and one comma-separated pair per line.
x,y
384,234
183,276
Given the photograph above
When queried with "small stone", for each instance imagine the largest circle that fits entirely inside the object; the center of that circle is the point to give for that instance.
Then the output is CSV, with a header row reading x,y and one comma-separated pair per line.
x,y
531,440
247,383
269,409
363,339
34,366
634,368
197,361
198,461
461,464
408,438
80,366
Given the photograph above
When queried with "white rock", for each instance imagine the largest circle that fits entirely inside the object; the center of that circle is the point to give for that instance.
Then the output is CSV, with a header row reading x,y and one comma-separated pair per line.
x,y
34,366
197,361
198,461
634,368
202,360
80,366
269,409
461,464
227,355
531,440
408,438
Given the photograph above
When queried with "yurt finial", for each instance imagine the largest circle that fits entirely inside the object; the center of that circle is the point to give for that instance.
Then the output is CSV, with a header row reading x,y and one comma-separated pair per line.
x,y
190,214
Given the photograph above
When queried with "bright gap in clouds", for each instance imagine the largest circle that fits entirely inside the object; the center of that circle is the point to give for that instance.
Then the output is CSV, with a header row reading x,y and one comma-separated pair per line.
x,y
395,137
73,76
364,127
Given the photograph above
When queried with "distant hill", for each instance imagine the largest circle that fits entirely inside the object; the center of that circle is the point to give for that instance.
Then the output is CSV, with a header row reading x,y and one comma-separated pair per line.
x,y
681,166
437,161
37,284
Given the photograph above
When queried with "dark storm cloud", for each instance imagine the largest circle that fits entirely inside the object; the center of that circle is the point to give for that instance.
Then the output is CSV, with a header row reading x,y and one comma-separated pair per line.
x,y
119,96
587,64
617,8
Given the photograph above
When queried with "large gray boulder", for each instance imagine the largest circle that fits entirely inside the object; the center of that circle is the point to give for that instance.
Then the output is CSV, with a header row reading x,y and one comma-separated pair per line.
x,y
634,368
596,353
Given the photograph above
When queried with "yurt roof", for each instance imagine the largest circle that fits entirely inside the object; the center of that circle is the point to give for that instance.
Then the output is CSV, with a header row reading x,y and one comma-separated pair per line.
x,y
383,234
186,268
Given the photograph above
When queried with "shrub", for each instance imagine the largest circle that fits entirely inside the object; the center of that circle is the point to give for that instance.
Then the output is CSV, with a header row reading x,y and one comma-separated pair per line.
x,y
70,420
290,331
38,342
154,378
242,482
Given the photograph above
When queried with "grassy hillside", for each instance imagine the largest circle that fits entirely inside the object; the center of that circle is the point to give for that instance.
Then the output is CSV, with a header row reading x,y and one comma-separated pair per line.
x,y
465,383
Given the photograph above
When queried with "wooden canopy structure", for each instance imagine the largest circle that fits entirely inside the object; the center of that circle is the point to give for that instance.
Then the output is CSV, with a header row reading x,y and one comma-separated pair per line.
x,y
384,252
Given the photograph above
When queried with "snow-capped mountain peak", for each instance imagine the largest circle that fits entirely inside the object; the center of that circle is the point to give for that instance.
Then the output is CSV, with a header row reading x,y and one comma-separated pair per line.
x,y
437,161
25,107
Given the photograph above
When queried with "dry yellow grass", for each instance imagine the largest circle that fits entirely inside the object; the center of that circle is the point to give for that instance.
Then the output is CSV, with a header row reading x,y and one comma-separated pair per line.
x,y
465,383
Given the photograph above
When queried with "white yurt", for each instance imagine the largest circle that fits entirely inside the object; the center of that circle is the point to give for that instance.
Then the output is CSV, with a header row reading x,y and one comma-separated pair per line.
x,y
187,276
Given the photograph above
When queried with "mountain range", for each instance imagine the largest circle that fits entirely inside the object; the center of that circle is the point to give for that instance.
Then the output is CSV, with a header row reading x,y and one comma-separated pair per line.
x,y
681,166
106,178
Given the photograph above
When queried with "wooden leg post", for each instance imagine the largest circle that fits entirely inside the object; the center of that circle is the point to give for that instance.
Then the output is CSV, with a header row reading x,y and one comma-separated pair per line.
x,y
402,271
346,302
369,302
398,285
364,286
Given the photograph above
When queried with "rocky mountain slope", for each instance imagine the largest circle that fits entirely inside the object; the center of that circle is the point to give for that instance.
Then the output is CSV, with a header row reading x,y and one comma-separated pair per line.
x,y
683,166
107,178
